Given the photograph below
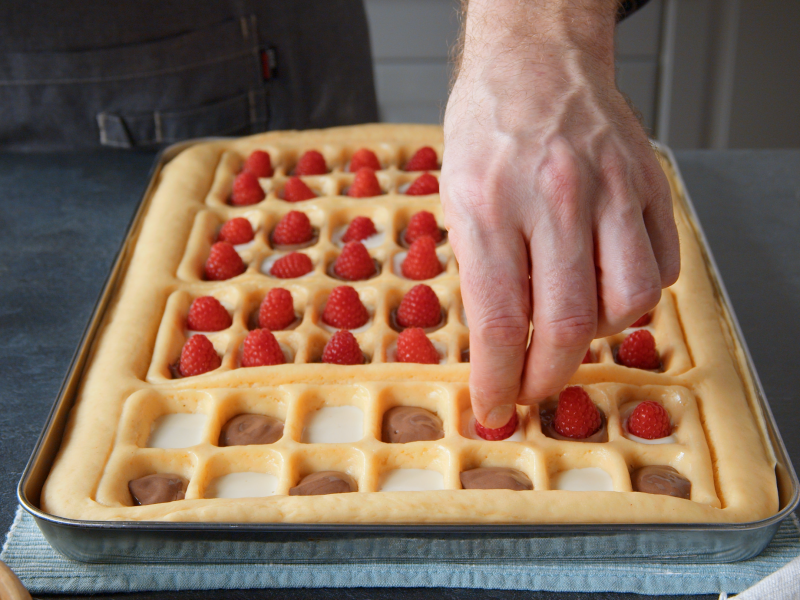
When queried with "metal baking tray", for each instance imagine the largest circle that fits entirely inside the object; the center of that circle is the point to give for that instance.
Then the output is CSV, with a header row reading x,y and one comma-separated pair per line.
x,y
164,542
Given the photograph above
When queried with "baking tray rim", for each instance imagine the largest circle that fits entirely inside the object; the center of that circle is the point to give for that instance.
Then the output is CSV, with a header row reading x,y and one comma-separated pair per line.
x,y
165,155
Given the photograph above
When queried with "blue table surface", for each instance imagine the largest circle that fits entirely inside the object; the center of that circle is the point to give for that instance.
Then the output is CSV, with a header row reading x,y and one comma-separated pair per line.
x,y
63,216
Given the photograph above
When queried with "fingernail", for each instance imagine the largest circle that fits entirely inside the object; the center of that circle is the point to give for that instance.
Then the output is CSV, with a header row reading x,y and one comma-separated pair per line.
x,y
499,416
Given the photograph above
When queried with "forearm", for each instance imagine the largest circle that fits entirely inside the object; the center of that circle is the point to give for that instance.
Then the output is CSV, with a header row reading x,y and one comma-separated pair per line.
x,y
538,31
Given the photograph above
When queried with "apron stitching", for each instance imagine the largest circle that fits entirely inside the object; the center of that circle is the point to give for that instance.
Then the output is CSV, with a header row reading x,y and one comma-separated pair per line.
x,y
101,122
215,132
157,119
245,32
252,97
259,83
126,77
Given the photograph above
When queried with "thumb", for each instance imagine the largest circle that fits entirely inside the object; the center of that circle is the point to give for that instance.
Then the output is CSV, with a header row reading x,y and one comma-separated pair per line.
x,y
495,289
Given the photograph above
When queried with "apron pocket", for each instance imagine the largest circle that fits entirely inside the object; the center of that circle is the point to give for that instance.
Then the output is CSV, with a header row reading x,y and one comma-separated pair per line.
x,y
204,82
239,114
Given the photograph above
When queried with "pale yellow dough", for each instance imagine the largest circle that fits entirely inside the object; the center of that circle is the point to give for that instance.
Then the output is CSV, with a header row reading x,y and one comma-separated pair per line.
x,y
127,386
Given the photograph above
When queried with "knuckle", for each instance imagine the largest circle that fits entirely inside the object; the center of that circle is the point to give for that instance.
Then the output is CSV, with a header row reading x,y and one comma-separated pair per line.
x,y
562,181
544,389
490,391
569,331
656,184
502,328
473,203
670,270
634,300
616,168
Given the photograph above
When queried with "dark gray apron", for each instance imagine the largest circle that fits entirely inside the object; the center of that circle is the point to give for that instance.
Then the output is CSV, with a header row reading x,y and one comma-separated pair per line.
x,y
143,73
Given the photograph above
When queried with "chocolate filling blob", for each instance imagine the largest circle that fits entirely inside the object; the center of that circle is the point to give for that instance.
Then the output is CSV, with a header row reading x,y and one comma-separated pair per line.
x,y
403,424
495,478
155,489
323,483
661,479
247,430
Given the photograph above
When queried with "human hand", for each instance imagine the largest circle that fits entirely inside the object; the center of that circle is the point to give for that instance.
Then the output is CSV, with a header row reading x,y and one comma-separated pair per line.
x,y
547,174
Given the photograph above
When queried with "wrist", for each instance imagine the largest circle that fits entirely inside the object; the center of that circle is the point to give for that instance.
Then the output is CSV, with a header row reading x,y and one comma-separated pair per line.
x,y
544,32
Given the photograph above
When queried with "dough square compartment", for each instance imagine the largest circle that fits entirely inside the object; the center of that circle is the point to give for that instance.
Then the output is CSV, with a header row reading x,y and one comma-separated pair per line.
x,y
598,469
268,402
262,266
665,327
394,297
684,464
368,295
465,419
441,341
539,415
309,460
316,346
339,220
395,264
334,156
172,420
125,466
529,461
407,150
435,399
290,343
404,215
243,472
387,155
253,298
429,467
332,415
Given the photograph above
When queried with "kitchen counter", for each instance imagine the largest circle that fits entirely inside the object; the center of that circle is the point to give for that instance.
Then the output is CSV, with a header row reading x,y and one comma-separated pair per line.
x,y
62,218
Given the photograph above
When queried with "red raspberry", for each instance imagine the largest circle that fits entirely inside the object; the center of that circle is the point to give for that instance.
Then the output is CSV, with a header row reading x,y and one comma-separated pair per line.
x,y
501,433
259,164
638,351
413,346
261,348
198,356
642,321
423,185
342,349
344,309
296,190
423,223
577,416
354,263
236,231
588,358
277,310
223,263
246,190
419,308
311,163
365,184
359,229
207,314
292,265
424,159
649,420
293,228
421,261
364,158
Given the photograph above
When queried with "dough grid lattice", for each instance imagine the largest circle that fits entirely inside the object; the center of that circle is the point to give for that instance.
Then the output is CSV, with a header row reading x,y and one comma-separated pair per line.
x,y
194,194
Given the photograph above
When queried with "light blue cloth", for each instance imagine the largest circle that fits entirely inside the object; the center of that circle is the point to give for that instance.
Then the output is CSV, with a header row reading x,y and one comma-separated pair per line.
x,y
42,570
